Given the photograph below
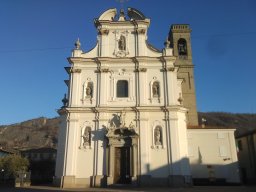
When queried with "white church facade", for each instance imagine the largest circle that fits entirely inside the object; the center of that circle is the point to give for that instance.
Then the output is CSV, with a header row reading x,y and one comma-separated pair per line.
x,y
128,108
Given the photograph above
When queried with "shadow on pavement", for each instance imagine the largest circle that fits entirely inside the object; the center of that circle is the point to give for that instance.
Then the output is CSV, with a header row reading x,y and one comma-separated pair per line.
x,y
190,189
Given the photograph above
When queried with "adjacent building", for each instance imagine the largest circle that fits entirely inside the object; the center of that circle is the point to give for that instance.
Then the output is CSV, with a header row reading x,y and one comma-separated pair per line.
x,y
246,146
212,155
41,164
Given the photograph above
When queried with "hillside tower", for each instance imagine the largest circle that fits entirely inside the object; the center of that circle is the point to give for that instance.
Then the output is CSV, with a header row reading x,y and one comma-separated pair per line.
x,y
180,41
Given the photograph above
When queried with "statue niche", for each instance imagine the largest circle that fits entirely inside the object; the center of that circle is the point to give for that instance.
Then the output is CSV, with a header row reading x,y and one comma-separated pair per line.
x,y
122,43
158,135
87,137
89,90
156,89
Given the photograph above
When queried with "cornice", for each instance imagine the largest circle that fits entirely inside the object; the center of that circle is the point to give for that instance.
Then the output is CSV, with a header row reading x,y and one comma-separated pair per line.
x,y
127,23
138,59
173,108
73,60
168,58
200,129
184,66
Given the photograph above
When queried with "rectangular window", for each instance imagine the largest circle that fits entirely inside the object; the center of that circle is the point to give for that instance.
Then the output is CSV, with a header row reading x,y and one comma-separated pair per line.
x,y
122,88
223,151
221,135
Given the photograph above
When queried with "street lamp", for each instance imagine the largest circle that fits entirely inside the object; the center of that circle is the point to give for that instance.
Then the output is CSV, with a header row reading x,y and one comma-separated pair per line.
x,y
2,173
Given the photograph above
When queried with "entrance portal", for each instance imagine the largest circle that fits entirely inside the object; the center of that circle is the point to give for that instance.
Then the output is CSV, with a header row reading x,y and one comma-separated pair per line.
x,y
122,155
122,165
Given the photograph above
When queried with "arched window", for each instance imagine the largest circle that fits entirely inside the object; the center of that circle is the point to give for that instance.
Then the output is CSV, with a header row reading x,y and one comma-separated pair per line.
x,y
182,47
122,88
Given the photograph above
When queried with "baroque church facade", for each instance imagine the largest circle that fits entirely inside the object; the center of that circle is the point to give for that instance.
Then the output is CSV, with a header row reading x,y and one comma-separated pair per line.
x,y
128,108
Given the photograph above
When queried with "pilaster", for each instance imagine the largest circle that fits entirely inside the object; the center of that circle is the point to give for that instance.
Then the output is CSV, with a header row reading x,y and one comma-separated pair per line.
x,y
178,138
70,164
74,86
144,143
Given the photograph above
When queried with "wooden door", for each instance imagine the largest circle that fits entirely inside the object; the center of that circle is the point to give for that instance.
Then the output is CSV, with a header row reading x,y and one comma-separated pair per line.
x,y
122,165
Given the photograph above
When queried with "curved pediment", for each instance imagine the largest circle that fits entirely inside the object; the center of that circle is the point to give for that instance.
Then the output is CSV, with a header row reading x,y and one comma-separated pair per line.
x,y
124,132
135,14
108,15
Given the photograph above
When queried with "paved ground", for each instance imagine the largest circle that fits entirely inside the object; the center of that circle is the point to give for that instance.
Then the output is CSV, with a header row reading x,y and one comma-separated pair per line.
x,y
191,189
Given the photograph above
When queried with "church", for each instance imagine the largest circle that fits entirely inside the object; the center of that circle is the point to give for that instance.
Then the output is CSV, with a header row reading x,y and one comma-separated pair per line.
x,y
130,115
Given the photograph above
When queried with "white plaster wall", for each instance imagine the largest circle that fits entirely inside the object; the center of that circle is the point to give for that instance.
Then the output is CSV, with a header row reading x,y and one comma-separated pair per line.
x,y
84,161
59,169
215,148
84,158
71,149
158,155
178,142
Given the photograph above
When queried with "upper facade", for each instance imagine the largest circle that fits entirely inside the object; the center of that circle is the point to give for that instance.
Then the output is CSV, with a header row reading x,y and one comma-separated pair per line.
x,y
122,49
108,75
121,36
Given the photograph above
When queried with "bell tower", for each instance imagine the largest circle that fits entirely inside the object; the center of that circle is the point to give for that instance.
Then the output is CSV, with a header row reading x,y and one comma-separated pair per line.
x,y
180,41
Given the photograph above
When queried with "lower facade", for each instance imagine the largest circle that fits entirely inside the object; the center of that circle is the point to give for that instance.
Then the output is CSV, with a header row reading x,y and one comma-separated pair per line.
x,y
121,149
140,181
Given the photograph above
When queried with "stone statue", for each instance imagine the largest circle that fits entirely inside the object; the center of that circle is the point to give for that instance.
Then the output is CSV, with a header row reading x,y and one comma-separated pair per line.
x,y
88,90
112,126
122,43
131,126
122,119
157,135
87,136
155,89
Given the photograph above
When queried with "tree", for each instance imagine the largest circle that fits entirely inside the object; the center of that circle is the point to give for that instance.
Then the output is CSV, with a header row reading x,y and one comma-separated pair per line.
x,y
12,164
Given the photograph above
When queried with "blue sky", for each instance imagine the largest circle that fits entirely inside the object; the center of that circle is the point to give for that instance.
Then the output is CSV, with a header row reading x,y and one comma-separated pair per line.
x,y
37,36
